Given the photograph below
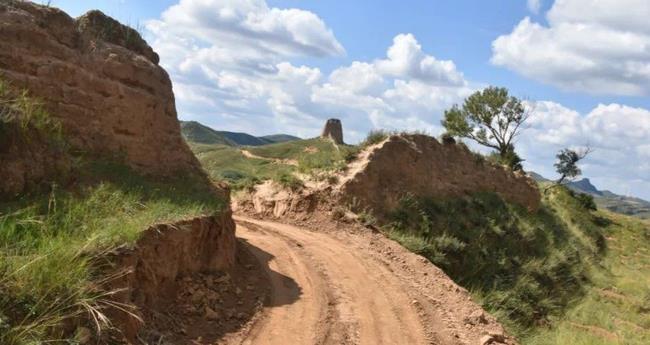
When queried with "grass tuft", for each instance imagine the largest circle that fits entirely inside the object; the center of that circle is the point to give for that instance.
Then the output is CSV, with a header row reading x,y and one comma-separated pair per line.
x,y
21,114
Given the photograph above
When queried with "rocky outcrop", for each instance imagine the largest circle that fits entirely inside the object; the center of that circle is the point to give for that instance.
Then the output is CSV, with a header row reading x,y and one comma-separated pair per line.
x,y
421,166
100,79
149,274
333,130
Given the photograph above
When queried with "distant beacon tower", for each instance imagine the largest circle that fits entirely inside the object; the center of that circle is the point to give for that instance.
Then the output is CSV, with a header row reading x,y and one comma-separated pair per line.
x,y
333,130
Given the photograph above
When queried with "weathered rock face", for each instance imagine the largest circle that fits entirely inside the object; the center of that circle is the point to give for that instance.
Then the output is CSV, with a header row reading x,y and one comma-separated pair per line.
x,y
100,79
333,130
164,254
421,166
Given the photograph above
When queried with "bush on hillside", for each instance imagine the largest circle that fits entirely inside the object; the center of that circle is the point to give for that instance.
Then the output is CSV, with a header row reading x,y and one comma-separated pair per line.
x,y
447,139
585,200
510,159
289,180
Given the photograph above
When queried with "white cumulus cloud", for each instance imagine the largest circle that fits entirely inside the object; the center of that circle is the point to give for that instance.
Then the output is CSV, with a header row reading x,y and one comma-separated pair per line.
x,y
590,46
232,67
617,133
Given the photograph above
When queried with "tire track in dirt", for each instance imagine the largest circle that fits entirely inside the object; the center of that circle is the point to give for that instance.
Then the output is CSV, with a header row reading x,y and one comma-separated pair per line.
x,y
344,297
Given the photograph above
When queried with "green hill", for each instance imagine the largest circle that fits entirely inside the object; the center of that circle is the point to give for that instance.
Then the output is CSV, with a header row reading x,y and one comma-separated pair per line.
x,y
279,138
197,133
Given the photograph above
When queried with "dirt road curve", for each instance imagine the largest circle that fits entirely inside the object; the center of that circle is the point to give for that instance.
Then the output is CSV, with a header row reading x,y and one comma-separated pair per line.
x,y
324,292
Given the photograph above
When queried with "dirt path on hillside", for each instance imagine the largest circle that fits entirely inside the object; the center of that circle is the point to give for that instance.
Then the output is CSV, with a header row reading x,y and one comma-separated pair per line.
x,y
249,154
328,289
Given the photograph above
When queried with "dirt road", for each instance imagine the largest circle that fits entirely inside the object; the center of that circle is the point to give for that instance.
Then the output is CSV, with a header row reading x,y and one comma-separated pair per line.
x,y
322,293
346,288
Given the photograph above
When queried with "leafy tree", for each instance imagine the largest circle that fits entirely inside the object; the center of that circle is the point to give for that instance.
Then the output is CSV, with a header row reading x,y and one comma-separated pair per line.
x,y
567,164
492,118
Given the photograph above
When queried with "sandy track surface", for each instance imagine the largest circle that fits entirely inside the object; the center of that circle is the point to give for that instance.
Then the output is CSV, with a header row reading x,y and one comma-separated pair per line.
x,y
325,293
339,286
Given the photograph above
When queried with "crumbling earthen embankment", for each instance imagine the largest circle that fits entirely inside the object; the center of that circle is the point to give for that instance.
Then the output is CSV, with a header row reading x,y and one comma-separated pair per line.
x,y
148,275
421,166
100,79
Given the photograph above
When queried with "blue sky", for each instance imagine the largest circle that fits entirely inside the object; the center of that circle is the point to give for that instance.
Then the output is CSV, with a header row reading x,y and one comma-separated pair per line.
x,y
286,65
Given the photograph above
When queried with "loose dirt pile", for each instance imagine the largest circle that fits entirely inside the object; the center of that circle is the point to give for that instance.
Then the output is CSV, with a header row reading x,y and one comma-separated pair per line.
x,y
209,306
153,273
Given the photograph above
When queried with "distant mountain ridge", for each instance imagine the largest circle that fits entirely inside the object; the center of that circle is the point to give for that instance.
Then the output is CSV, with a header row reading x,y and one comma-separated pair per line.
x,y
606,199
198,133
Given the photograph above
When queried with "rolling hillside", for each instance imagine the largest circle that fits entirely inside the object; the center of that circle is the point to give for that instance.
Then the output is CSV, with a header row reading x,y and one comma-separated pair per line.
x,y
198,133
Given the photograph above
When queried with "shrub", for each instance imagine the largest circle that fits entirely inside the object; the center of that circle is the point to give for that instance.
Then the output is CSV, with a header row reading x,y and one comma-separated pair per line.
x,y
448,139
232,175
289,180
510,159
375,137
586,201
25,114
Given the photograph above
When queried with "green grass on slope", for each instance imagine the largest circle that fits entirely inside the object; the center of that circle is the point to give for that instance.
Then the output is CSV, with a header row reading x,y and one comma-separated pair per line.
x,y
200,134
48,243
312,156
525,268
616,307
230,165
